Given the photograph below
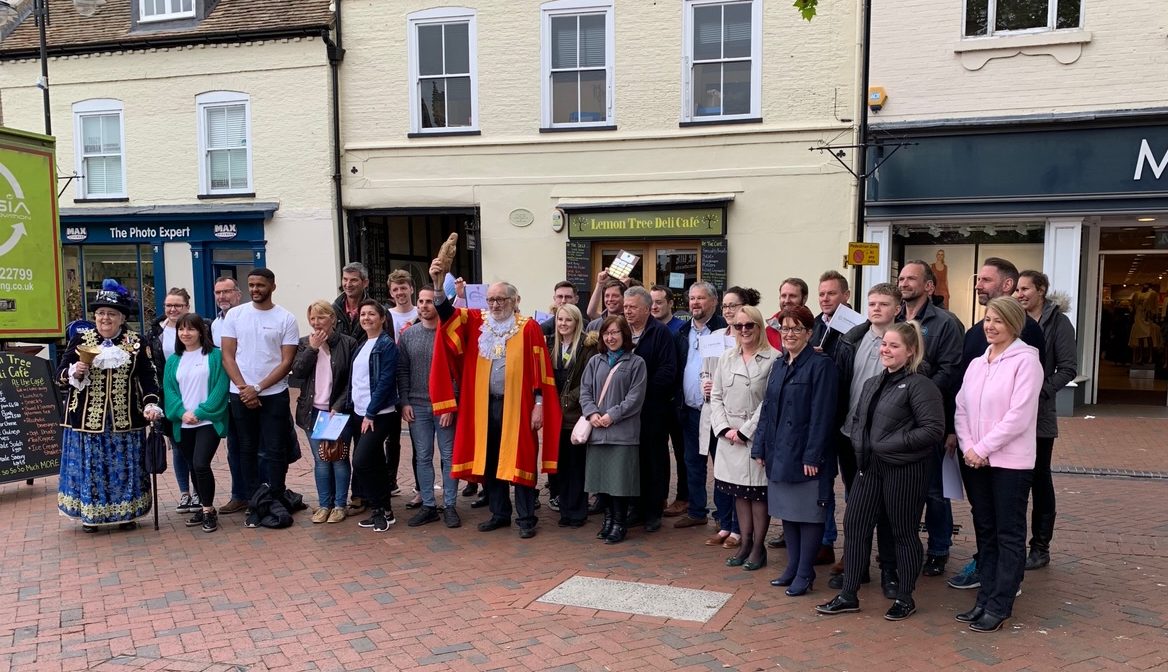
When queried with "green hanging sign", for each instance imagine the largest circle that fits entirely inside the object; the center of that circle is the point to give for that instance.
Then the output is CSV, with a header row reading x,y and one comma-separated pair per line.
x,y
31,304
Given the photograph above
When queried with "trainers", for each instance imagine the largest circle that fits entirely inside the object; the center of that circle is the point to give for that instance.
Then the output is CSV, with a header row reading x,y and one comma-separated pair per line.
x,y
252,520
197,519
426,514
554,503
185,504
451,518
395,491
337,515
966,579
210,521
195,502
321,515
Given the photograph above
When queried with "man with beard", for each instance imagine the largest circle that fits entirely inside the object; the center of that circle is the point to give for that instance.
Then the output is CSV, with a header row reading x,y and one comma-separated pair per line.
x,y
506,395
259,344
792,292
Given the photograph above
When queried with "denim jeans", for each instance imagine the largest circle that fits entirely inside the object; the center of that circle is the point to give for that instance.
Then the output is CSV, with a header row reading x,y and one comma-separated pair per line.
x,y
830,529
182,468
332,478
938,510
423,430
695,462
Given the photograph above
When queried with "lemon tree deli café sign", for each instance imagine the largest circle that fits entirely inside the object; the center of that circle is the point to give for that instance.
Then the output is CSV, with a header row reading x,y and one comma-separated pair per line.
x,y
684,223
30,250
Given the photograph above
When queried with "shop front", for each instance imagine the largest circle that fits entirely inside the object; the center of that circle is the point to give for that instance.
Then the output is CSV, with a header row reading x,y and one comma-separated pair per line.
x,y
151,249
676,244
1085,200
389,239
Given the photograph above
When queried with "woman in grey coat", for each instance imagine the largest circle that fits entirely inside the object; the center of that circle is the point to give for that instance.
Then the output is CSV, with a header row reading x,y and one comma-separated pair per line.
x,y
612,466
1059,360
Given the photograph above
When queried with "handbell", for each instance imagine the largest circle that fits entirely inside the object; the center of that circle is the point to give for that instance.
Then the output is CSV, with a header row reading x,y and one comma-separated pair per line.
x,y
87,353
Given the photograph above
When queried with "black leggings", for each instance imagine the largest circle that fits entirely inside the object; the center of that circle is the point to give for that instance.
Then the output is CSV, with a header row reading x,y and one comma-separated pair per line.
x,y
198,446
369,459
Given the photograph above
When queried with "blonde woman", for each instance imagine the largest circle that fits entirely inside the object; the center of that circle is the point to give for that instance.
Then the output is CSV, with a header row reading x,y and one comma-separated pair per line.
x,y
740,382
898,420
570,348
323,364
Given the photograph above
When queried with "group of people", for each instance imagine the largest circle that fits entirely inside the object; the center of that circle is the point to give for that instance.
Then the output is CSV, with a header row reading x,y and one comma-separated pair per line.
x,y
594,399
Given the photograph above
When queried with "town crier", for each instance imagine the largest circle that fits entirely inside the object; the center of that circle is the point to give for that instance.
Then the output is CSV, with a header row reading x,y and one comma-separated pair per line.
x,y
506,395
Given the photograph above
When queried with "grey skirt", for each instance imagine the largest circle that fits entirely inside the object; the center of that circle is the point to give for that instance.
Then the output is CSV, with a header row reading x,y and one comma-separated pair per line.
x,y
612,470
796,502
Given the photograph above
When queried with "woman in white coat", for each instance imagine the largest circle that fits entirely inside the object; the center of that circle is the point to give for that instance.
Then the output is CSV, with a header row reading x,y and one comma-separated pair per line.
x,y
740,383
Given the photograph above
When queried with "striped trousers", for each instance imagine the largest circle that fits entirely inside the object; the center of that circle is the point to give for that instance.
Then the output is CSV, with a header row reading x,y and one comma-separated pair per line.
x,y
899,491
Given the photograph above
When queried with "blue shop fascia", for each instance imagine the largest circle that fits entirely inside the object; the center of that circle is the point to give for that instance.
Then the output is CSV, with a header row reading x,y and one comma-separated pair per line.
x,y
150,249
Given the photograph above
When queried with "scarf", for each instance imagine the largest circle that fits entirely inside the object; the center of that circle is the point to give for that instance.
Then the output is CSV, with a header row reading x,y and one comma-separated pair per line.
x,y
615,355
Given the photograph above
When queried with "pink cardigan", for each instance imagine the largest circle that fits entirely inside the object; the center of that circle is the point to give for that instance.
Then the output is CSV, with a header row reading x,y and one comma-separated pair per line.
x,y
997,407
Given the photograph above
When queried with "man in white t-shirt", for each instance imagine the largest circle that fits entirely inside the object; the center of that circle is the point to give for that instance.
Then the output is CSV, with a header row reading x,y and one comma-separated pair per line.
x,y
259,343
403,312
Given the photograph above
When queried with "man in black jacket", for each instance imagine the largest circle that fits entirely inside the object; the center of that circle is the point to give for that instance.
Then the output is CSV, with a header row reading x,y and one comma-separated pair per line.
x,y
653,342
833,291
705,318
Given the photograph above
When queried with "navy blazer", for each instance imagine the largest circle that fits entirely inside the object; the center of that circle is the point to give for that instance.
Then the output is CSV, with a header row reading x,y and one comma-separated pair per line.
x,y
382,374
797,424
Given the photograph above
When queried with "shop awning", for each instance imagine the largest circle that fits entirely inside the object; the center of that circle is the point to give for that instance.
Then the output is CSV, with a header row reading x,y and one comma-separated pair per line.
x,y
191,213
653,201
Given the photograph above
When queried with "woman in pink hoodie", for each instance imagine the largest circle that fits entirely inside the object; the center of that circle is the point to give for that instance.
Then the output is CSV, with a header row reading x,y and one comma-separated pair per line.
x,y
997,409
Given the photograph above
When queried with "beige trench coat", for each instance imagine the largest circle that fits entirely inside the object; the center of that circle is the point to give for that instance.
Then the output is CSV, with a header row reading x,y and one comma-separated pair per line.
x,y
735,402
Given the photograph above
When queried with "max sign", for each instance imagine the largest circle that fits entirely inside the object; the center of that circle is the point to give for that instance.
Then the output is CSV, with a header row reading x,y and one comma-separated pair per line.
x,y
1148,158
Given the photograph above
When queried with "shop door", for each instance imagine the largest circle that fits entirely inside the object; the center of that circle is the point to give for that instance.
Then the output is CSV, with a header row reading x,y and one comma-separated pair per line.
x,y
671,263
1131,357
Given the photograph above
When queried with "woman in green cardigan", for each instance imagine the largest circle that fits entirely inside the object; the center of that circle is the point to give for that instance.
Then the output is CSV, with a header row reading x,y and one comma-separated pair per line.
x,y
195,392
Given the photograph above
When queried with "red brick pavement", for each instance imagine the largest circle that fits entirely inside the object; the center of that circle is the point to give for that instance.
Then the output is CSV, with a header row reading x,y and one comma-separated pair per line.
x,y
335,597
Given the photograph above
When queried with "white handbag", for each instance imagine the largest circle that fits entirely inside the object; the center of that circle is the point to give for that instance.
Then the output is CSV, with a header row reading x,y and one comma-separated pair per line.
x,y
583,428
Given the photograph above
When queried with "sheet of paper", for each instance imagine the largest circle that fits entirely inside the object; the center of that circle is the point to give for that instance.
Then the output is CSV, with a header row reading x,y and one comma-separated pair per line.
x,y
677,280
845,318
329,427
623,265
476,296
951,477
711,345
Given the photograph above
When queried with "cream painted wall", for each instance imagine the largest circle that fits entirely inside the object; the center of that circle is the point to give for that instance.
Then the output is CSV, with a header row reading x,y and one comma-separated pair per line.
x,y
287,82
1123,66
792,213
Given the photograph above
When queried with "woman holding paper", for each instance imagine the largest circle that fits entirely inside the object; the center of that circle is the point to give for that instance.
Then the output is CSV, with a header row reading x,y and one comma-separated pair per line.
x,y
195,387
323,363
739,384
571,349
611,395
373,390
899,418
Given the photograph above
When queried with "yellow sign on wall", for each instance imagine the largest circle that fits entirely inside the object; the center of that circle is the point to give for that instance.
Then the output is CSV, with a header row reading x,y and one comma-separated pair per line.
x,y
688,223
863,254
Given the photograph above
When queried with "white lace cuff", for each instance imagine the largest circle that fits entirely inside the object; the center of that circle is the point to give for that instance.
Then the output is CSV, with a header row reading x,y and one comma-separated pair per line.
x,y
77,384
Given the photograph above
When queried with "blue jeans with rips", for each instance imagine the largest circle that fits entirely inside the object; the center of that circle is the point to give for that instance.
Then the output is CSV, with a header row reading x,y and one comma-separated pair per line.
x,y
423,430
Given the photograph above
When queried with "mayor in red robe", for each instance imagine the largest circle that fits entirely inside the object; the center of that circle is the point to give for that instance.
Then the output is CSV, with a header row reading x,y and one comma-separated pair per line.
x,y
494,440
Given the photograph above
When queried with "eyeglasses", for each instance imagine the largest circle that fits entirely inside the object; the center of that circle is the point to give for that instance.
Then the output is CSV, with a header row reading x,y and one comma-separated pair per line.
x,y
175,306
747,326
497,300
731,306
612,334
792,330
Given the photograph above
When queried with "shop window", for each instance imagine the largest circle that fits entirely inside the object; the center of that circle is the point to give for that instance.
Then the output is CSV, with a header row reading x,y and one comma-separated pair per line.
x,y
722,44
577,63
165,10
99,143
131,265
408,241
443,70
225,154
984,18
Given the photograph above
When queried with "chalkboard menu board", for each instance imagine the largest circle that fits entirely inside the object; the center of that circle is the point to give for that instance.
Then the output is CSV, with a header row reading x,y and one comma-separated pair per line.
x,y
578,262
714,262
30,419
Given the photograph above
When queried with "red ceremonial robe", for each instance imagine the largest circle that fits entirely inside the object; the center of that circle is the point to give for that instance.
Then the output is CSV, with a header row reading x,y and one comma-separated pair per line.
x,y
529,369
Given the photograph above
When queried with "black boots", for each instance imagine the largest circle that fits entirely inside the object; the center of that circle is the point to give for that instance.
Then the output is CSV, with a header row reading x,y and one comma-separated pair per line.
x,y
606,527
620,509
1042,529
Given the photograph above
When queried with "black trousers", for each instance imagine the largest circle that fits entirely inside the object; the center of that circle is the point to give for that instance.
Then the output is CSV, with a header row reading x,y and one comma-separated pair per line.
x,y
198,446
654,455
899,492
263,435
393,450
369,460
997,500
499,491
1043,505
573,499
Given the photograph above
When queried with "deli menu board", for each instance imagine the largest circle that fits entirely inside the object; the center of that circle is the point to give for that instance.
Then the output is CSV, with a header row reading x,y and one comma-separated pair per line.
x,y
30,419
714,262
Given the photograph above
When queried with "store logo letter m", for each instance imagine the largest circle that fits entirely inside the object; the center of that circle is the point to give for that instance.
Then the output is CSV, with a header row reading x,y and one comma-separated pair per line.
x,y
1146,156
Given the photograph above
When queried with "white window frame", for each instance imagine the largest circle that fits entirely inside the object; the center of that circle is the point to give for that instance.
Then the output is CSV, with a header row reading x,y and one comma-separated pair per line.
x,y
212,99
97,107
560,8
687,113
439,16
168,16
992,16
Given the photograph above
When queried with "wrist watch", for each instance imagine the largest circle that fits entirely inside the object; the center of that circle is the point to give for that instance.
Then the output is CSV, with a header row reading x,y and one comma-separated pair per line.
x,y
257,388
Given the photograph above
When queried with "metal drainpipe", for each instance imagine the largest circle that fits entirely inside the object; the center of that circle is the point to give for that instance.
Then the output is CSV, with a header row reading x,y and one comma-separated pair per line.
x,y
862,139
336,54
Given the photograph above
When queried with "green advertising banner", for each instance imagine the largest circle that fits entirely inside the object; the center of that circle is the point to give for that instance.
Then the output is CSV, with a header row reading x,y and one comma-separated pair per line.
x,y
688,223
30,248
